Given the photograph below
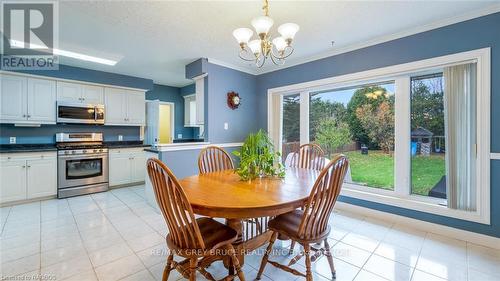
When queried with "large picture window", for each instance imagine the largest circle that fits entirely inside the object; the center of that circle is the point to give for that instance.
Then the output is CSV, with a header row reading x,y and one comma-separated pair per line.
x,y
416,135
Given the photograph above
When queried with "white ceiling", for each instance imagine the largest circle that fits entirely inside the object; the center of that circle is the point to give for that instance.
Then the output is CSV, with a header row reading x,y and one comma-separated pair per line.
x,y
157,39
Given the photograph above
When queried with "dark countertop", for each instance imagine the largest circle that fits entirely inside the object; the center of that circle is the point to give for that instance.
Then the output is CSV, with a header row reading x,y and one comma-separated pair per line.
x,y
125,144
19,148
15,148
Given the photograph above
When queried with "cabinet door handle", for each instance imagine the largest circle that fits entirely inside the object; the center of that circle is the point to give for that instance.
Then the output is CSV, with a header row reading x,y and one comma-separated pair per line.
x,y
29,116
29,166
24,166
24,115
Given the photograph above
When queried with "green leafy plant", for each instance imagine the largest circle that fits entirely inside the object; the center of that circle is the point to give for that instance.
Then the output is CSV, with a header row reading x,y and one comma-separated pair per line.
x,y
258,158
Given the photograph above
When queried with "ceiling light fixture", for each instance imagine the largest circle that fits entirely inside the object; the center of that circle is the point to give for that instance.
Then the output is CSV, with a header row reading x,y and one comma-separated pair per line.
x,y
259,50
64,53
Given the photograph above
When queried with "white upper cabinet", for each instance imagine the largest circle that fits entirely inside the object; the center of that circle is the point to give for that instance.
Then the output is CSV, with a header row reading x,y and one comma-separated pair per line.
x,y
13,98
41,100
79,93
27,100
125,107
92,94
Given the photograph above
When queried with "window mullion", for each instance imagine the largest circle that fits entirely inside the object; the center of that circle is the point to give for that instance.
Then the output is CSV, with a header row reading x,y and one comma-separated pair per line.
x,y
304,118
402,137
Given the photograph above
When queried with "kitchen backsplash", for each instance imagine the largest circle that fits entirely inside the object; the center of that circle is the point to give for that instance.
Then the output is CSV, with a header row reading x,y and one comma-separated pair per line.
x,y
46,133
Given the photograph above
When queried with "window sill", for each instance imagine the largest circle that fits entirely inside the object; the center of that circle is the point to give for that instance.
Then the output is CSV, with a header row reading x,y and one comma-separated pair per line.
x,y
413,202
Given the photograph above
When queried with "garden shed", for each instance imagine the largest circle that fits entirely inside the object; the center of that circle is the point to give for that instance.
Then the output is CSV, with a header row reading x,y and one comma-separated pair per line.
x,y
421,140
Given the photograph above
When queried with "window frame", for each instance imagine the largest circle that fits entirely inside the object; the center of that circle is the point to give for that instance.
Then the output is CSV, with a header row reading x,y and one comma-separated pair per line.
x,y
401,74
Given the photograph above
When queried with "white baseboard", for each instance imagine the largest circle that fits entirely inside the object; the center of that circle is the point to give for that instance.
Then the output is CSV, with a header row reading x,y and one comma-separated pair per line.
x,y
472,237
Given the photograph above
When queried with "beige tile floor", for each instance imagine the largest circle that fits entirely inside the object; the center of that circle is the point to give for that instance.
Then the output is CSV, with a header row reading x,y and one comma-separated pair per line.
x,y
117,236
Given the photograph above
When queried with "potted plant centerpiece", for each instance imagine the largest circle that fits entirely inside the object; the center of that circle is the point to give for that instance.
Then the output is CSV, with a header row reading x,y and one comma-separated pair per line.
x,y
258,158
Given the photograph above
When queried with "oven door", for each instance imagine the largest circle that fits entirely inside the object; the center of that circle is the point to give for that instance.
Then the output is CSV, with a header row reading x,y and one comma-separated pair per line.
x,y
80,113
78,170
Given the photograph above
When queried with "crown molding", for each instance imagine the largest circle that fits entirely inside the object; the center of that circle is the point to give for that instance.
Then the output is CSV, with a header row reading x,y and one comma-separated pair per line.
x,y
232,66
495,8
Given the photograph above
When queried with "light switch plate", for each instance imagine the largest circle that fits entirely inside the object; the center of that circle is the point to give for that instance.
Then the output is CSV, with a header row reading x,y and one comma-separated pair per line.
x,y
179,136
12,140
226,126
120,137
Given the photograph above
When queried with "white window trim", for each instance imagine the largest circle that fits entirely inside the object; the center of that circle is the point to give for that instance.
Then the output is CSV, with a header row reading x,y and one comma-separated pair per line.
x,y
401,197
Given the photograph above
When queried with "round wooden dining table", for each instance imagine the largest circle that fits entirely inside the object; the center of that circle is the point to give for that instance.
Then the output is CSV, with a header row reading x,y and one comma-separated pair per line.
x,y
224,195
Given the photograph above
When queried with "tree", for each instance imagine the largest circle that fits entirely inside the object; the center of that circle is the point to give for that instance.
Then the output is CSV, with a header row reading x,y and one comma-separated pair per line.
x,y
358,100
322,109
291,119
378,122
427,107
332,134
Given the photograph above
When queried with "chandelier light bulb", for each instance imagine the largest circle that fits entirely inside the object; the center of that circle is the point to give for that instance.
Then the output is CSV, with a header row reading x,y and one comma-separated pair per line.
x,y
254,45
262,24
242,35
288,30
279,43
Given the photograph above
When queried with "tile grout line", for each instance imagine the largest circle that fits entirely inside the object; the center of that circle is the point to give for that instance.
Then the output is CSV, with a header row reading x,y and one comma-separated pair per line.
x,y
418,258
81,238
122,235
40,243
5,223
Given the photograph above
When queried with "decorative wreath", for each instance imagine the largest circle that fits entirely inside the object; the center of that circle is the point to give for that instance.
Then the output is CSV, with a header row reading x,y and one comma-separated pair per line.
x,y
233,100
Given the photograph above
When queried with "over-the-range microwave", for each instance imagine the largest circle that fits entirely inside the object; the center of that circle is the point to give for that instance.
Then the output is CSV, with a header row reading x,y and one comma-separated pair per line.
x,y
80,113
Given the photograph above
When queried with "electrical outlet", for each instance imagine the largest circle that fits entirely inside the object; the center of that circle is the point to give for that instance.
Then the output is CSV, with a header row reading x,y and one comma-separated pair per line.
x,y
226,126
12,140
179,136
120,137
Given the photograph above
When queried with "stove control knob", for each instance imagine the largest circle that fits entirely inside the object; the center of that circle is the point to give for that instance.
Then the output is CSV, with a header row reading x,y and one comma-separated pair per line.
x,y
84,151
100,150
73,152
66,152
95,150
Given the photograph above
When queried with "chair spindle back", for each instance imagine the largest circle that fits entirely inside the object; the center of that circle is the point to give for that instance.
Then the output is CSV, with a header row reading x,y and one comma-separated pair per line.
x,y
323,197
214,159
175,207
309,156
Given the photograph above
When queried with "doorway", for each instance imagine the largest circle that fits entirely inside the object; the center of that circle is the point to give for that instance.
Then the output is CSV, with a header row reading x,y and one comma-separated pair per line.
x,y
165,121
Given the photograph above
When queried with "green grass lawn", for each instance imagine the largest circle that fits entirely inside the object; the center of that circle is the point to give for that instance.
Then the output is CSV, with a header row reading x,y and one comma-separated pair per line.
x,y
377,170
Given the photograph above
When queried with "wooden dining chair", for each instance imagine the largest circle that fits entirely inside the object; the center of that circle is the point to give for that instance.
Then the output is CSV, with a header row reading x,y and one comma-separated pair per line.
x,y
214,159
309,156
188,237
310,225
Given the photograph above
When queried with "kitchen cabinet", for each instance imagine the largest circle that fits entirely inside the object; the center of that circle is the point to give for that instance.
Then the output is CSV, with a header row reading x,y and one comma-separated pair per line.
x,y
127,166
200,100
125,107
26,100
79,93
190,111
27,176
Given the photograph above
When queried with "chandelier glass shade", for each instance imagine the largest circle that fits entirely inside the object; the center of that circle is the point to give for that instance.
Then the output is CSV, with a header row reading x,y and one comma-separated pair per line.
x,y
263,48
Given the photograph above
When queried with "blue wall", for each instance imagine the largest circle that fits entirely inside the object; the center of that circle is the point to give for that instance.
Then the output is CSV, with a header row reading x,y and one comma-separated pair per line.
x,y
45,133
173,94
242,121
94,76
469,35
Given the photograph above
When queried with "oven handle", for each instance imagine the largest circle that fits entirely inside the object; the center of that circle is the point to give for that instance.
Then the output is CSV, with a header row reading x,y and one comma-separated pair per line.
x,y
84,156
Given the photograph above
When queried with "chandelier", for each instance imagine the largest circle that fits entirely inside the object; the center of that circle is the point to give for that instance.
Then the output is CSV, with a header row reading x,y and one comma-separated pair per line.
x,y
263,48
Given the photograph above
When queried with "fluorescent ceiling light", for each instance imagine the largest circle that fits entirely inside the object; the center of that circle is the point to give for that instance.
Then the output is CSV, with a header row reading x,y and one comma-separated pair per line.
x,y
59,52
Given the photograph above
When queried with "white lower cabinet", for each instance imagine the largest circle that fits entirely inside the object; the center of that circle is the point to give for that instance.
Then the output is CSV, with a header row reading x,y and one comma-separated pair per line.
x,y
126,166
27,176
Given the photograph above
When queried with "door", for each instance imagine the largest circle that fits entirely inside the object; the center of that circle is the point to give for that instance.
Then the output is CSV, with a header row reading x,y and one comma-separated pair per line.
x,y
138,167
92,94
136,108
119,168
165,123
69,92
116,107
41,177
13,98
41,100
12,180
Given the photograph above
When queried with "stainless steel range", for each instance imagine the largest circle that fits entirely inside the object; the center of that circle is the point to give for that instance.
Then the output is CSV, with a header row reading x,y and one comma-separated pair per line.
x,y
82,164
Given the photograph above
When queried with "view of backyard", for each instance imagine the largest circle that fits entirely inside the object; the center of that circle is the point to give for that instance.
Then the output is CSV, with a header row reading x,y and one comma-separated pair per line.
x,y
345,120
